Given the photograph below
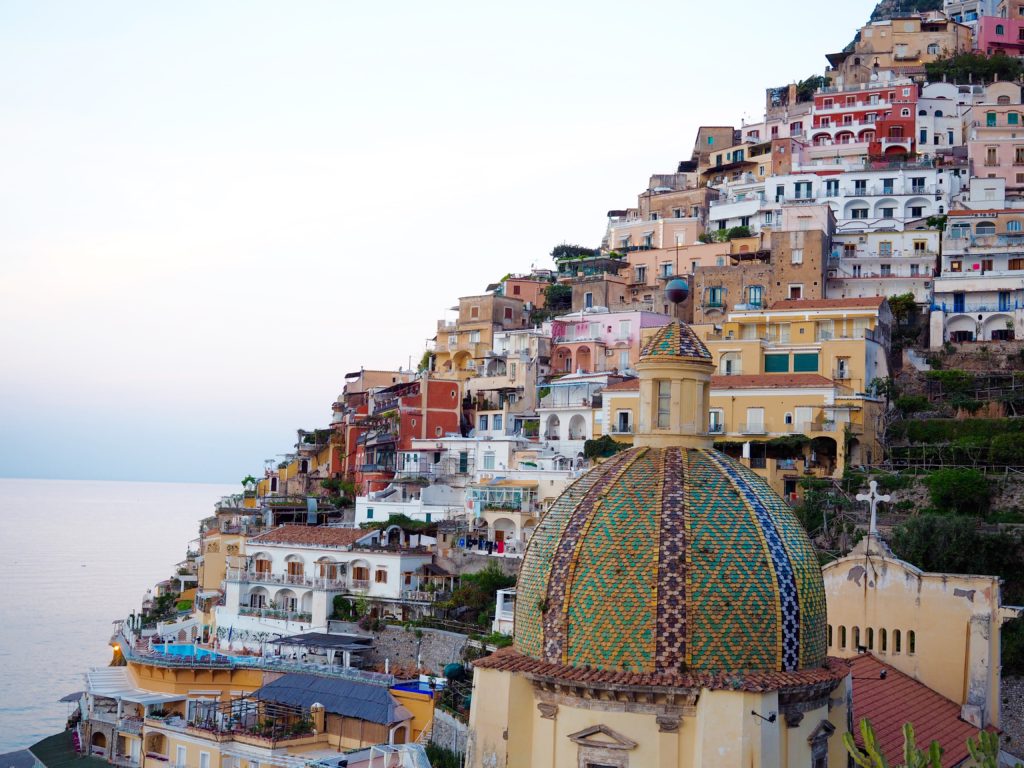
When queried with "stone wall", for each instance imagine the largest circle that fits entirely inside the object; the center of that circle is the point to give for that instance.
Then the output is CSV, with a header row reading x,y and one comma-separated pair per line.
x,y
449,732
435,648
464,561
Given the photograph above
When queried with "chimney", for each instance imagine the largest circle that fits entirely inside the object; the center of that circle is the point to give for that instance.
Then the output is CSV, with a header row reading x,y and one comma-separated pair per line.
x,y
792,93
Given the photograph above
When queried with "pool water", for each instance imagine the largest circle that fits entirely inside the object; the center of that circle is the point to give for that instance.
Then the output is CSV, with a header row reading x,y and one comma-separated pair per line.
x,y
420,686
185,649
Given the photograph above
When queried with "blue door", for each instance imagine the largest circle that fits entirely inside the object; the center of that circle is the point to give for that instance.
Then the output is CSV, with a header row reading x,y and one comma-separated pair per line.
x,y
1004,301
959,305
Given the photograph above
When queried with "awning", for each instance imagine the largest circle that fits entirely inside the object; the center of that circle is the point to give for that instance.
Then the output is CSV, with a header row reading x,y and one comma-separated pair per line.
x,y
117,683
362,701
72,696
209,594
342,642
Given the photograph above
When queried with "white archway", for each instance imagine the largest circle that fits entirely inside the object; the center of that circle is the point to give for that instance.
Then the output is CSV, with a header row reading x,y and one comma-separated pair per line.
x,y
577,428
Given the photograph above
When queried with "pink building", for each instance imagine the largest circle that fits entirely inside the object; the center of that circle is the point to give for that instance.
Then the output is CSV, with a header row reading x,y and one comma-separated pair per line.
x,y
995,147
600,341
996,34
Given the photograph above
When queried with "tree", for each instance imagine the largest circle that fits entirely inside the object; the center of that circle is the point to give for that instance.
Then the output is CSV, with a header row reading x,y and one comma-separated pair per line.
x,y
558,296
424,364
975,67
248,480
903,307
959,491
805,88
602,448
564,251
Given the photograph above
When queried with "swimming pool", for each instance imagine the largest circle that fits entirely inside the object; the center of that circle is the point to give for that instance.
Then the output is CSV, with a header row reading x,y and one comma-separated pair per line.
x,y
419,686
187,650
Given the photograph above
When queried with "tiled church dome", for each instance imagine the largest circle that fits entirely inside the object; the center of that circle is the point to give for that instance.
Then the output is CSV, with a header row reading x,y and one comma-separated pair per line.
x,y
670,561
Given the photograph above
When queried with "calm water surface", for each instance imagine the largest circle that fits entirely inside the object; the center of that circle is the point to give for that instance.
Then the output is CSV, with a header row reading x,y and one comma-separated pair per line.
x,y
74,556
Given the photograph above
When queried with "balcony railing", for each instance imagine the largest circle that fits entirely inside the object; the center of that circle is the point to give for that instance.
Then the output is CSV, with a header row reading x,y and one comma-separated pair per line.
x,y
968,309
716,429
380,468
274,613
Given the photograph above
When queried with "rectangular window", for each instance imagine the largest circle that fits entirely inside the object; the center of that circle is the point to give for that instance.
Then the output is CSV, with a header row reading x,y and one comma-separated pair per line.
x,y
885,248
640,274
797,256
474,337
664,404
489,460
990,156
483,423
776,363
588,300
796,291
832,187
1013,118
886,270
780,192
666,270
956,266
859,213
204,760
497,422
463,462
179,757
805,363
369,513
715,295
917,211
1016,264
1018,155
986,265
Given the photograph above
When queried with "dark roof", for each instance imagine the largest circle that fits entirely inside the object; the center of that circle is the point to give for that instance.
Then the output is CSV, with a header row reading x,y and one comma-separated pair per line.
x,y
898,699
343,642
511,660
58,751
362,701
20,759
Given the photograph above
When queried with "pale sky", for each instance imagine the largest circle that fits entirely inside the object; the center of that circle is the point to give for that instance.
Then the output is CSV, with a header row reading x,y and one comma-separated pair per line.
x,y
210,211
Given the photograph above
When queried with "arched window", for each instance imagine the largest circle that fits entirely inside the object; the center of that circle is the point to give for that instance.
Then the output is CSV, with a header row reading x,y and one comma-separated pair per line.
x,y
922,113
842,637
1013,225
938,113
788,418
985,228
933,49
883,641
830,636
911,642
871,639
1000,29
1003,100
856,638
897,641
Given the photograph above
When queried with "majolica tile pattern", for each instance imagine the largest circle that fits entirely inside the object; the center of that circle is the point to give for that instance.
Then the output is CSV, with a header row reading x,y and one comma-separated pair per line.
x,y
675,340
669,561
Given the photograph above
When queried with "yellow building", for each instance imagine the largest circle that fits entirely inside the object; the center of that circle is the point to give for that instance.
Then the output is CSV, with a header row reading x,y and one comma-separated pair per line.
x,y
941,629
789,391
461,347
670,610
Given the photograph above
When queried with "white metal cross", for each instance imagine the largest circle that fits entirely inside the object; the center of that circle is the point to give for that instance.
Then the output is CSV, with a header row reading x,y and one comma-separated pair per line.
x,y
872,497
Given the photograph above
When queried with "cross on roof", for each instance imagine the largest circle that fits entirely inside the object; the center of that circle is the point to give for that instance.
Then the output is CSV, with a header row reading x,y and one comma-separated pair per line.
x,y
872,497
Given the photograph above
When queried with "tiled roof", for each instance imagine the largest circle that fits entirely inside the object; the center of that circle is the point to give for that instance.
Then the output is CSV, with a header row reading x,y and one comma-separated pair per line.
x,y
625,572
311,536
899,699
511,660
868,302
675,340
629,385
781,380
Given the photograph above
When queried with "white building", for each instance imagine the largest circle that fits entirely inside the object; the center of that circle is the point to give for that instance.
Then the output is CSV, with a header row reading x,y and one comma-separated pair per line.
x,y
941,108
288,579
571,411
884,264
979,295
890,198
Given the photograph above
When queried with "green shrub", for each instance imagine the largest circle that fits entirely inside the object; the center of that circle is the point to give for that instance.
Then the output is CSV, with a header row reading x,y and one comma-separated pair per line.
x,y
955,545
602,448
952,381
184,605
894,482
959,491
1007,449
912,404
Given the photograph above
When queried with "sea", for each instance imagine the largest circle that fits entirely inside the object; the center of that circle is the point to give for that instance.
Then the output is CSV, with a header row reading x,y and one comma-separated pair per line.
x,y
74,557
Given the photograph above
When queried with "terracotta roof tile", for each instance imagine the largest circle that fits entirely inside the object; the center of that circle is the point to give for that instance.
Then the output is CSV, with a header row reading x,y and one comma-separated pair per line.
x,y
511,660
899,699
311,536
868,302
771,380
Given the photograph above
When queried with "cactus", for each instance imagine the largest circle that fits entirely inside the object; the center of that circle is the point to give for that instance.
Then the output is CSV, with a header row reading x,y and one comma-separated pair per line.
x,y
985,751
871,755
